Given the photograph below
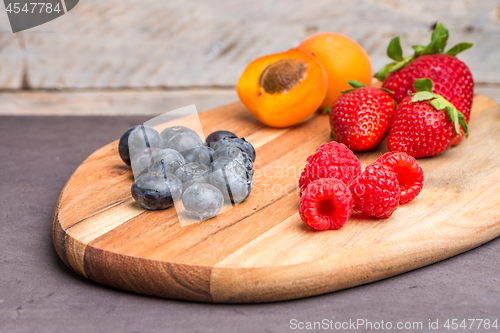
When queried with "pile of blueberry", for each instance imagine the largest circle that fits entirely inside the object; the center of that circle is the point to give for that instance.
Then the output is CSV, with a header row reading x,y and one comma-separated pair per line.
x,y
177,164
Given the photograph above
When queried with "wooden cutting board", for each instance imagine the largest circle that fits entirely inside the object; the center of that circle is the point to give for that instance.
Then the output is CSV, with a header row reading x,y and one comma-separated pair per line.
x,y
261,251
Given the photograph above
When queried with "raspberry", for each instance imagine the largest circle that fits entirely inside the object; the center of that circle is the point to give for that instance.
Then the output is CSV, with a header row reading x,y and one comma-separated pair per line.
x,y
409,174
376,191
326,204
331,160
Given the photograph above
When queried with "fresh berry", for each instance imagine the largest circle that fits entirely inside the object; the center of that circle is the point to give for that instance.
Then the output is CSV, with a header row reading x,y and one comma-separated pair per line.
x,y
326,204
331,160
216,136
156,191
425,124
241,143
361,117
409,174
123,146
376,191
452,78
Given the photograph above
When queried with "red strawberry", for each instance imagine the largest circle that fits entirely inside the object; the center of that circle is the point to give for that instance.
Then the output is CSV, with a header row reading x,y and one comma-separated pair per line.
x,y
452,78
425,124
361,117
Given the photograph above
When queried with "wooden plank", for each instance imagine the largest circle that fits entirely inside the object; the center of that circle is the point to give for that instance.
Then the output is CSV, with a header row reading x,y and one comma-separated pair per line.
x,y
260,250
111,103
153,43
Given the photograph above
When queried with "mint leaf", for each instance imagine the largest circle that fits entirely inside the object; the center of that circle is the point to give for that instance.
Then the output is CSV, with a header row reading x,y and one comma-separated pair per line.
x,y
394,50
458,48
423,85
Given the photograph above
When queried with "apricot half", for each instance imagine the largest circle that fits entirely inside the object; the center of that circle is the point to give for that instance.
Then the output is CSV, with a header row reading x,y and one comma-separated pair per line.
x,y
283,89
342,58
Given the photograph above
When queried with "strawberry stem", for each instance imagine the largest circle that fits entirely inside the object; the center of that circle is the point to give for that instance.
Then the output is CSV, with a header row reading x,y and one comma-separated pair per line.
x,y
436,46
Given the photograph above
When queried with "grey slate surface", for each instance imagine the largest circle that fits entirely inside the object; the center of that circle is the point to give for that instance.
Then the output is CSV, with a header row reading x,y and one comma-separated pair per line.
x,y
39,294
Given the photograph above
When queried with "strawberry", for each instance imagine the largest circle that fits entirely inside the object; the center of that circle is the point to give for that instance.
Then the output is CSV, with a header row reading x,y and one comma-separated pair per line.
x,y
425,124
452,78
360,118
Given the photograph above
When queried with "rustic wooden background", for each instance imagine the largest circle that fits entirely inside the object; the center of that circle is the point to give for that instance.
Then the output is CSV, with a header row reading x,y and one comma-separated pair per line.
x,y
147,57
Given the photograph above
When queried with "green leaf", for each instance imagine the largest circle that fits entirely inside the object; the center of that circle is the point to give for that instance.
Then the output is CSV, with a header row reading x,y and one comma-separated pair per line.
x,y
346,91
387,91
394,50
458,48
423,85
355,84
401,64
418,49
438,41
440,103
382,74
452,113
327,109
423,96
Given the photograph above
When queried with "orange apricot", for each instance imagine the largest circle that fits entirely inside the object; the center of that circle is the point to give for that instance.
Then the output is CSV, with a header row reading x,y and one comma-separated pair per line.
x,y
342,58
283,89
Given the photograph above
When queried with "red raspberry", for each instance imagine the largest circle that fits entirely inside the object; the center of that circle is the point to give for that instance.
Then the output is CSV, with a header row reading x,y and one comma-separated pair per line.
x,y
409,174
331,160
376,191
326,204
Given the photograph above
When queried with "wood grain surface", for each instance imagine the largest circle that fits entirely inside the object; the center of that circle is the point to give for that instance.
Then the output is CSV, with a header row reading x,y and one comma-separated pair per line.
x,y
260,250
150,43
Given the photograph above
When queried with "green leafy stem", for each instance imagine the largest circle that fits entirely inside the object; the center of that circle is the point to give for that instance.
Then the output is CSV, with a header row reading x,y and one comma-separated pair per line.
x,y
423,87
436,46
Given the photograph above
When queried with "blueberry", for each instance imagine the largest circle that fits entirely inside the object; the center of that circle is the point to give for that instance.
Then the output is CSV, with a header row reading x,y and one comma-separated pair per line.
x,y
170,132
231,178
191,173
202,200
217,136
142,137
123,146
200,154
141,162
153,191
241,143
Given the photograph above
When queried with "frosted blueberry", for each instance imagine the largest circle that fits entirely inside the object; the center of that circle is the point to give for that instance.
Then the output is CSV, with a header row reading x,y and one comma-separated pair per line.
x,y
153,191
202,200
142,137
168,133
231,178
216,136
200,154
241,143
172,160
191,173
142,160
184,142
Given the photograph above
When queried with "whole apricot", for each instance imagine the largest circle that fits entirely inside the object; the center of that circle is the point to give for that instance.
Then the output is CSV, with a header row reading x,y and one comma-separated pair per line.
x,y
283,89
342,58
